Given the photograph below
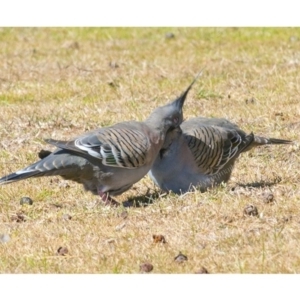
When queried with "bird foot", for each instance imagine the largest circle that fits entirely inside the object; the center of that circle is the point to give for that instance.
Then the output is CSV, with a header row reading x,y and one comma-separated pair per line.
x,y
107,200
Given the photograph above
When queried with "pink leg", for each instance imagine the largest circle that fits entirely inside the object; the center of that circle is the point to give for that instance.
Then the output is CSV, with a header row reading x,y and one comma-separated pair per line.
x,y
107,199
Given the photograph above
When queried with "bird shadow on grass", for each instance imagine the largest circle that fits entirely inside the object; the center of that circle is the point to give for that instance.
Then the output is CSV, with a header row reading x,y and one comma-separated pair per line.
x,y
259,184
143,200
149,197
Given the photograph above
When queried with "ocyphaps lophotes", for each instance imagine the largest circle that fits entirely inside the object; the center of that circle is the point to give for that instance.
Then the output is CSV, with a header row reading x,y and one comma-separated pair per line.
x,y
202,154
109,160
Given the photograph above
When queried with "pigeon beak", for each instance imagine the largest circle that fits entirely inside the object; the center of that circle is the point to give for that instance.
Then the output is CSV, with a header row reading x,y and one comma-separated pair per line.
x,y
180,100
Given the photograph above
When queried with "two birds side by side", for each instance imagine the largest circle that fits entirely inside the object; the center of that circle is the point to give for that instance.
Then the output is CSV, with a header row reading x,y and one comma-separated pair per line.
x,y
109,160
178,155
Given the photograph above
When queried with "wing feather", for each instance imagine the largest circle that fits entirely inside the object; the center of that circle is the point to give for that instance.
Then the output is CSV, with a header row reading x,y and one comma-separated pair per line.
x,y
115,147
212,146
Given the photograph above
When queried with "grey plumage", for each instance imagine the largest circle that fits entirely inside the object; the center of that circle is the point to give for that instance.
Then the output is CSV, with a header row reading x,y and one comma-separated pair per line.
x,y
202,154
108,161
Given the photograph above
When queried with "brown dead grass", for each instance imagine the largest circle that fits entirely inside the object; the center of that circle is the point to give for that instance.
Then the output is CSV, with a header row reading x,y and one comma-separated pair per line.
x,y
61,82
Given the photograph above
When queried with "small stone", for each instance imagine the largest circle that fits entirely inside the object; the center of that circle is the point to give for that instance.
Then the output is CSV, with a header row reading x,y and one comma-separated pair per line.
x,y
120,226
63,251
111,241
251,210
74,45
26,200
4,238
279,114
169,35
44,153
146,267
71,45
124,214
202,270
113,65
268,198
18,217
66,217
228,219
250,100
159,238
287,219
113,84
180,258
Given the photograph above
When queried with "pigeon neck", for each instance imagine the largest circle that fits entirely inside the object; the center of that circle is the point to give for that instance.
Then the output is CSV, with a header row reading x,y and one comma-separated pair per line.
x,y
157,127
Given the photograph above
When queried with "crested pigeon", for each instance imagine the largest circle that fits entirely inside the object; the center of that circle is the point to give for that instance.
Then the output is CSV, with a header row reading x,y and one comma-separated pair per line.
x,y
109,160
201,154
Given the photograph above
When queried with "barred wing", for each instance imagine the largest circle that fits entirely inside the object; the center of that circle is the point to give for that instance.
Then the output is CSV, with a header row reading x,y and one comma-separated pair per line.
x,y
213,146
116,147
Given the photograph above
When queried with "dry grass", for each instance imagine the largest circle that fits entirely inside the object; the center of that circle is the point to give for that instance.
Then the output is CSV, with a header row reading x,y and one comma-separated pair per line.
x,y
61,82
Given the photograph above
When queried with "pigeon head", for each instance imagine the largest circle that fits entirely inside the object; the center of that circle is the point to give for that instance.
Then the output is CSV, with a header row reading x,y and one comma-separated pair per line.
x,y
170,116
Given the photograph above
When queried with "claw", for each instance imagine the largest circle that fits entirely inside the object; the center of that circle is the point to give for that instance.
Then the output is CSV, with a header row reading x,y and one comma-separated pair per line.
x,y
107,200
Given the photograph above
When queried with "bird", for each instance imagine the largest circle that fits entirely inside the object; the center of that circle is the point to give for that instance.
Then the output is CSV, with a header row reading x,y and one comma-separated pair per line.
x,y
201,154
109,160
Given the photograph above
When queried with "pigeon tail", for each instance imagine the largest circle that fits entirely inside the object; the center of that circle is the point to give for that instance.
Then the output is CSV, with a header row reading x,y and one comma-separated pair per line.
x,y
19,175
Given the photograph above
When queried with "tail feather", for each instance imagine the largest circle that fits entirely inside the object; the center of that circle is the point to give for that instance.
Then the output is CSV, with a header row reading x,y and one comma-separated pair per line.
x,y
57,163
19,175
261,141
278,141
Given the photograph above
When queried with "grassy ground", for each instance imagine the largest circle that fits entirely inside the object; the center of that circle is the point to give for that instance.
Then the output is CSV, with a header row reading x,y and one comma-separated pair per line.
x,y
60,82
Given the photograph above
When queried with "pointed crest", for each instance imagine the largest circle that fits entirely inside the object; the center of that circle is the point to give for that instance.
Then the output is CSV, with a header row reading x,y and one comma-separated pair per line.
x,y
180,100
